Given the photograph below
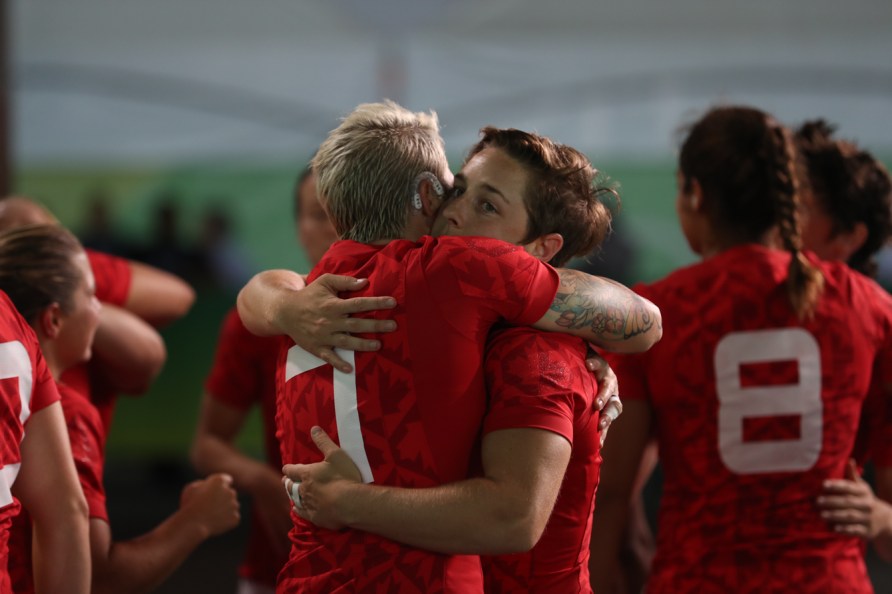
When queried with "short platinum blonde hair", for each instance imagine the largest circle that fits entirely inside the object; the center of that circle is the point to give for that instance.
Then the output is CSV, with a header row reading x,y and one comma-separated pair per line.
x,y
367,167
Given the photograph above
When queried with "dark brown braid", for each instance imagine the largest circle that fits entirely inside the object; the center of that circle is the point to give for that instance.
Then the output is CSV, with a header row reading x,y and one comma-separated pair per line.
x,y
804,280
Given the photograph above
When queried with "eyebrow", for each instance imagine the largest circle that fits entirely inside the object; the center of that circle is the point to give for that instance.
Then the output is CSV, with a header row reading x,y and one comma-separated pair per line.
x,y
494,190
488,187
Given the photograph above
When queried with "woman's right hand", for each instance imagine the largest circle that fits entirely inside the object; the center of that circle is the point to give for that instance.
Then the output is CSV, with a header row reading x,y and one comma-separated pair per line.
x,y
319,321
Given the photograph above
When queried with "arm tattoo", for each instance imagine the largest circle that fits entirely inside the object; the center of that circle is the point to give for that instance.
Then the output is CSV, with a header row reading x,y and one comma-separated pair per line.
x,y
605,308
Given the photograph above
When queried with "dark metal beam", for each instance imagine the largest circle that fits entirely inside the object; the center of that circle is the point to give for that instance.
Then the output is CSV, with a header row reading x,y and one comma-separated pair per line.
x,y
6,181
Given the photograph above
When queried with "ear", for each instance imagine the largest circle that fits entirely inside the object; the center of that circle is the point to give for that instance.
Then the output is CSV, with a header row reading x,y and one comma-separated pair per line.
x,y
695,196
431,193
545,247
50,321
858,236
849,242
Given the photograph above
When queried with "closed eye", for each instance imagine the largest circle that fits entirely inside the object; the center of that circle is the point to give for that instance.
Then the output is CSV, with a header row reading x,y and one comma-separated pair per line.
x,y
455,192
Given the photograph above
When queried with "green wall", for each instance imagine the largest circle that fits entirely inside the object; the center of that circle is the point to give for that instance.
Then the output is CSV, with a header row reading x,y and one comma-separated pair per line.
x,y
258,200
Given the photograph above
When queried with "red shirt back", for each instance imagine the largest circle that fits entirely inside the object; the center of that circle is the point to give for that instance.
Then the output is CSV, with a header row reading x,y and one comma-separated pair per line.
x,y
411,413
26,387
753,411
539,380
87,438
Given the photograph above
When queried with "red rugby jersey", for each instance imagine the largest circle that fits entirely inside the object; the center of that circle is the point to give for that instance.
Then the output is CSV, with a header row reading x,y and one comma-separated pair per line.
x,y
87,437
753,410
539,380
26,386
411,412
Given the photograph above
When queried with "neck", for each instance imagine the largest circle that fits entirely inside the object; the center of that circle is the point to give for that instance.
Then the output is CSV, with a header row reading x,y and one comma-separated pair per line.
x,y
722,242
52,362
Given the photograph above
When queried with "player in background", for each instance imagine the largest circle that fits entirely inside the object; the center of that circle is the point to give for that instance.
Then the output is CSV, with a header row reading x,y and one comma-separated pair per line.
x,y
128,351
46,273
540,421
381,176
35,439
847,216
755,393
243,375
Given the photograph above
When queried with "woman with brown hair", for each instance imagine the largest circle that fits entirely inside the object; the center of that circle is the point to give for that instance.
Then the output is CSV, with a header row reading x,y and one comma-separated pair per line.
x,y
47,275
755,392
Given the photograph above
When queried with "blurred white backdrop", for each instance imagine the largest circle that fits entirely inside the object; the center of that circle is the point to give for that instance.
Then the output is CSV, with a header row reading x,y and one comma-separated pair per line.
x,y
173,81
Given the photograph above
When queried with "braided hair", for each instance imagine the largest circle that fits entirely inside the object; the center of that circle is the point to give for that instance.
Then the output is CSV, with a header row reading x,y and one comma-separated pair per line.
x,y
744,159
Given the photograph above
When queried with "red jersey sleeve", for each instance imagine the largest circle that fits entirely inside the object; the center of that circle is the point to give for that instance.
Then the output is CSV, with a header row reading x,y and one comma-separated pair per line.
x,y
87,438
630,368
44,391
113,276
519,287
528,381
235,377
43,387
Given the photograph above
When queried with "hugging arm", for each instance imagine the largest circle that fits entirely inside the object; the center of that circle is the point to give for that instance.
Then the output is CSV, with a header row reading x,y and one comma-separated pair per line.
x,y
504,511
279,302
605,313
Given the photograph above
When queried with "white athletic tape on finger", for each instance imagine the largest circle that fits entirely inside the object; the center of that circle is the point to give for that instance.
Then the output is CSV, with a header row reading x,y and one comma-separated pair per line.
x,y
612,411
295,495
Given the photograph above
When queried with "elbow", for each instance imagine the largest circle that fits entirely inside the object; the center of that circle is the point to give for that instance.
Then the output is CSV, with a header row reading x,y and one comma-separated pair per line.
x,y
253,321
197,456
182,299
70,512
517,531
655,334
522,539
650,325
142,375
177,301
644,329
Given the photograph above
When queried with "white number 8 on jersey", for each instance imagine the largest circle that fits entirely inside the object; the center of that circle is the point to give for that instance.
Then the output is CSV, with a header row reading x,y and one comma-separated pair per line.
x,y
737,403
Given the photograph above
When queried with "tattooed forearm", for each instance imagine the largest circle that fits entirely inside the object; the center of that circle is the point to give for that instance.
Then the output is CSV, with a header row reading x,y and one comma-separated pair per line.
x,y
605,312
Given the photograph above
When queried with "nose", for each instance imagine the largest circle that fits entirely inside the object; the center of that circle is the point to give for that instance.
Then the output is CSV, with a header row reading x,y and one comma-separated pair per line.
x,y
452,212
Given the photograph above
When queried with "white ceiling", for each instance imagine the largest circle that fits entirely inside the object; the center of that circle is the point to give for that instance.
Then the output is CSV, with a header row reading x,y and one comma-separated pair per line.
x,y
167,80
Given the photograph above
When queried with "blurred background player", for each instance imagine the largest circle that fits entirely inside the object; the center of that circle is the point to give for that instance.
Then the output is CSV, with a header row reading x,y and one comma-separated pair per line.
x,y
35,440
847,216
47,275
748,425
128,351
244,375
